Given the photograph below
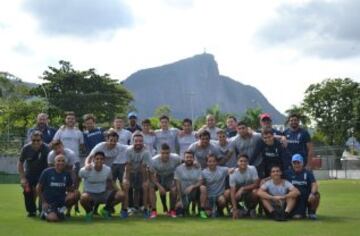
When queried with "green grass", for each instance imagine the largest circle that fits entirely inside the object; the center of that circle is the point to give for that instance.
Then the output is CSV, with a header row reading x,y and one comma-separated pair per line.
x,y
339,214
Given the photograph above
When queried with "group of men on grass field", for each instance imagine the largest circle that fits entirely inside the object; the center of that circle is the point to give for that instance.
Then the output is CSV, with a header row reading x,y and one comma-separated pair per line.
x,y
212,172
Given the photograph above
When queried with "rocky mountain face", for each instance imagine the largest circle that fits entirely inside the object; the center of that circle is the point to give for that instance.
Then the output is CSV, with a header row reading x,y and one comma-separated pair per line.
x,y
191,86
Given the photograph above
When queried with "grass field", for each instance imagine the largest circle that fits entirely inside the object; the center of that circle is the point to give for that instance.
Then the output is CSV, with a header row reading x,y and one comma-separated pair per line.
x,y
339,215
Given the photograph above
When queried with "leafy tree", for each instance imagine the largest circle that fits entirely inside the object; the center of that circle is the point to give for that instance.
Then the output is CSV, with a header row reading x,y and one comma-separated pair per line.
x,y
162,110
334,105
251,117
84,92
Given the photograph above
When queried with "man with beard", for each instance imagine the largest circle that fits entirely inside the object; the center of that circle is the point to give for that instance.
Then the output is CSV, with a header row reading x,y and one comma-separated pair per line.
x,y
136,171
299,141
32,161
162,170
188,180
42,125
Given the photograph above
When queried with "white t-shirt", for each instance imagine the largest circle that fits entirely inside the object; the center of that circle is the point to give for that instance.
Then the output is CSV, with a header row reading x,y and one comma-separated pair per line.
x,y
71,138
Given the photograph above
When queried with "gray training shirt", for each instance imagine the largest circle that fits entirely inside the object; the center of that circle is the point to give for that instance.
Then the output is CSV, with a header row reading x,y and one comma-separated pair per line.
x,y
277,190
187,176
240,179
215,180
136,159
201,153
115,155
166,136
224,151
95,181
70,158
165,168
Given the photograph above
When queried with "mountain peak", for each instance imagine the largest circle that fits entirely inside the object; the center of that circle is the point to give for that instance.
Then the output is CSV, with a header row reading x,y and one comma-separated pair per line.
x,y
190,86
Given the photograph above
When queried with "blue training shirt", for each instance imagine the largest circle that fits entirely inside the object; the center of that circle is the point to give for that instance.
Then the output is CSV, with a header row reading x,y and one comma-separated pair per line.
x,y
54,186
92,138
302,180
297,141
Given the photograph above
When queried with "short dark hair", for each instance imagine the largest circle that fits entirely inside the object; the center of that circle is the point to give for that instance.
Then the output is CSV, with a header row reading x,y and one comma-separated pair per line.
x,y
291,115
232,117
57,143
242,122
275,166
204,133
89,117
99,153
165,146
146,121
69,113
243,155
137,133
36,133
164,117
267,130
211,155
112,133
189,152
187,120
220,131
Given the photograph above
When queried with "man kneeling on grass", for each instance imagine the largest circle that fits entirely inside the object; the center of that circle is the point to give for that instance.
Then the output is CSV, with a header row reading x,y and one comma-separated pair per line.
x,y
212,191
305,182
99,187
55,189
244,182
278,196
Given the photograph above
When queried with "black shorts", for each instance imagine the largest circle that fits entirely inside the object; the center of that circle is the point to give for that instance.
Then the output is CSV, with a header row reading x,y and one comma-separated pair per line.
x,y
118,171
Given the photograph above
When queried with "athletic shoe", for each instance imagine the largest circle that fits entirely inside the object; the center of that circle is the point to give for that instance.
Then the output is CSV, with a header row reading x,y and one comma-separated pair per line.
x,y
168,214
203,215
105,213
124,214
281,216
88,216
31,214
146,214
173,214
153,214
312,216
297,216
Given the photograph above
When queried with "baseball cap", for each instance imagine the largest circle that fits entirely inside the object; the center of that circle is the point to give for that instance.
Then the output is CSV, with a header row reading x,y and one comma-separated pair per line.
x,y
297,157
132,115
265,116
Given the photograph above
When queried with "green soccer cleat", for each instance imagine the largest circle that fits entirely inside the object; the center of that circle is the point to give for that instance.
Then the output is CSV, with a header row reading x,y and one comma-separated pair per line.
x,y
203,215
89,217
105,213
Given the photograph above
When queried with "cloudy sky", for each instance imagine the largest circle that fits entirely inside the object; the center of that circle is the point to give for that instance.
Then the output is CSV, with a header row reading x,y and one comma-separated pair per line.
x,y
280,47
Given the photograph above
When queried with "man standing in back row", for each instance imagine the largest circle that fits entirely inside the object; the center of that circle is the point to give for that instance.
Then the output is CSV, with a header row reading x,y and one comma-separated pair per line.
x,y
299,141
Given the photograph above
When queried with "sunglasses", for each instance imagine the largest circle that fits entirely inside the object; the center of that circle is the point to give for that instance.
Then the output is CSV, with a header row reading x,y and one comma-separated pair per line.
x,y
36,140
